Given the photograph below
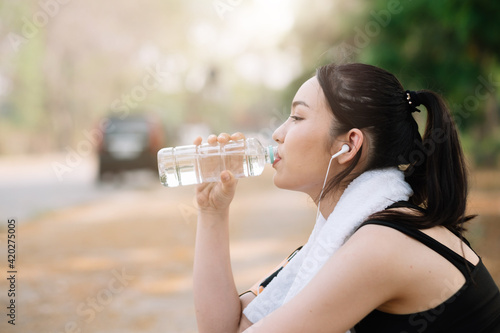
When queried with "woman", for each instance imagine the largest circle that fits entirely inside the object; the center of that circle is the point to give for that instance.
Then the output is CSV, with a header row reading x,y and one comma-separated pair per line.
x,y
387,252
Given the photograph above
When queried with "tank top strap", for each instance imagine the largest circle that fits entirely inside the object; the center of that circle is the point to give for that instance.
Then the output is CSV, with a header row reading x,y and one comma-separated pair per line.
x,y
406,204
458,261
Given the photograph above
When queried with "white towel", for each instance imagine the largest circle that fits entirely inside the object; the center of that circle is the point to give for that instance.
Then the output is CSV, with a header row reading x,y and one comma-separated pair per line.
x,y
369,193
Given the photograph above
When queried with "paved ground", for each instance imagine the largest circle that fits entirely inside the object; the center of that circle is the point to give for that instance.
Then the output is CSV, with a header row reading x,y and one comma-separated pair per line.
x,y
123,263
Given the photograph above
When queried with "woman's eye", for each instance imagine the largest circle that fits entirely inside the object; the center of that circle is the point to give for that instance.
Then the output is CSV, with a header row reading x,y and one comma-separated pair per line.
x,y
295,118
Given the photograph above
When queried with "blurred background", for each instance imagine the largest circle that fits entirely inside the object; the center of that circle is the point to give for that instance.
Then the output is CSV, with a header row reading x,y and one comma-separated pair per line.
x,y
90,90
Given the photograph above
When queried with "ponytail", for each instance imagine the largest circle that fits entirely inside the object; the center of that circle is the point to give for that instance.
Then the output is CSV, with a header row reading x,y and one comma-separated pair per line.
x,y
439,177
436,171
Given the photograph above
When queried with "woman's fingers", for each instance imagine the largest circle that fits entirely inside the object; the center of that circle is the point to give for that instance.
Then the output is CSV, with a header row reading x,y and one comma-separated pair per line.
x,y
197,141
212,139
221,138
228,183
237,136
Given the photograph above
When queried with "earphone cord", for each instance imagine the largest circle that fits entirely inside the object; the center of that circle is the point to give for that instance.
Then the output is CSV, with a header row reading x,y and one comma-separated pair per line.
x,y
324,183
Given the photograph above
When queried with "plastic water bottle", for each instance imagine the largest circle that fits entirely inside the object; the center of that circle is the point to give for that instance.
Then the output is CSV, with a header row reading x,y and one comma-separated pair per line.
x,y
188,165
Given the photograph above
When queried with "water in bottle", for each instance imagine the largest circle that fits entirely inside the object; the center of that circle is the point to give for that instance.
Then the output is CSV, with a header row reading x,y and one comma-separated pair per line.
x,y
187,165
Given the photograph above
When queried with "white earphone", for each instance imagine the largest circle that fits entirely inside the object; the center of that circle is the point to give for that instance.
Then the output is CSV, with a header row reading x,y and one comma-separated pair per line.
x,y
345,148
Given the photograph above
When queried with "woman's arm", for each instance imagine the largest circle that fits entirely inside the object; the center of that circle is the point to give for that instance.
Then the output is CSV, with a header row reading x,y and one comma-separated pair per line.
x,y
362,275
216,299
218,307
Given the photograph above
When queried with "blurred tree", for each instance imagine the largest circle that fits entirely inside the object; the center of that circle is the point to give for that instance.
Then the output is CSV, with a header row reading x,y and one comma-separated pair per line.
x,y
321,32
449,46
22,55
88,58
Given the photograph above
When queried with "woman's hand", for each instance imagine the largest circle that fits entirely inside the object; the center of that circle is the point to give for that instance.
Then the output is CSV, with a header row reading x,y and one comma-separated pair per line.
x,y
218,307
216,197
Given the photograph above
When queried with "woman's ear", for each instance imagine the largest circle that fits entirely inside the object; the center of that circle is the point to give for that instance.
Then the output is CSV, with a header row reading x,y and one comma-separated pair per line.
x,y
354,139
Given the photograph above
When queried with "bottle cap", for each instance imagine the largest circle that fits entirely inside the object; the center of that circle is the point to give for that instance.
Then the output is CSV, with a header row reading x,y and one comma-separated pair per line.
x,y
271,150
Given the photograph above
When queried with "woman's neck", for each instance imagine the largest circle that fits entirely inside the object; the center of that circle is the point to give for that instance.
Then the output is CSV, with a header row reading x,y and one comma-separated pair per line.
x,y
328,203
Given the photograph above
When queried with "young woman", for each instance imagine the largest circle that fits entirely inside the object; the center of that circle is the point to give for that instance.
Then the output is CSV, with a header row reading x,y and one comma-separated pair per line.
x,y
387,252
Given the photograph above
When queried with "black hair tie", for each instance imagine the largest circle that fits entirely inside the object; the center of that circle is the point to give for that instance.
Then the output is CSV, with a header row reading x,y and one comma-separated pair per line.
x,y
413,100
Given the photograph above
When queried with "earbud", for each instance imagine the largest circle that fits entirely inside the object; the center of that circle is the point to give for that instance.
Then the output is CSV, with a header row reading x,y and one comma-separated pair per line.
x,y
345,148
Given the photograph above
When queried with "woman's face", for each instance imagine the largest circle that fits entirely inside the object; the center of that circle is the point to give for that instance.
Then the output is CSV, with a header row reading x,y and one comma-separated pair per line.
x,y
304,142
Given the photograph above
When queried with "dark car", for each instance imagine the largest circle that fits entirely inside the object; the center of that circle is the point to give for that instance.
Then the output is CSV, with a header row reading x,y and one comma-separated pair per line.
x,y
129,143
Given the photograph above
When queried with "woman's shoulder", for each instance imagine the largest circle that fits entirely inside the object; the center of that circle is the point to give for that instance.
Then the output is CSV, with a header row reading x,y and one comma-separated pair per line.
x,y
399,257
378,236
434,239
414,263
402,244
382,247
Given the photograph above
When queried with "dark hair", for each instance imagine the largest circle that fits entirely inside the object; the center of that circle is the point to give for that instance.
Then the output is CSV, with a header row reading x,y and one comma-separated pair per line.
x,y
373,100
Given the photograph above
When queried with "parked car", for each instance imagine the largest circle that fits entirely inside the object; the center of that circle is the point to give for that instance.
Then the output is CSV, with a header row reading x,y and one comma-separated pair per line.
x,y
130,143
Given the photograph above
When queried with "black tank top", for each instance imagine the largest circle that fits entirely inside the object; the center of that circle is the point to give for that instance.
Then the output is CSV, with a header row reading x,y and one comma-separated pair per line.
x,y
475,308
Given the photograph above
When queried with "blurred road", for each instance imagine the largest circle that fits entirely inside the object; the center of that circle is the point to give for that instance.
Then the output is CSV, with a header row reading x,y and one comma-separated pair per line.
x,y
30,185
119,258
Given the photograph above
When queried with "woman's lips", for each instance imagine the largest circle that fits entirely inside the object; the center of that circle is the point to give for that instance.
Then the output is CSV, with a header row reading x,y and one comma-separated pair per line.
x,y
277,158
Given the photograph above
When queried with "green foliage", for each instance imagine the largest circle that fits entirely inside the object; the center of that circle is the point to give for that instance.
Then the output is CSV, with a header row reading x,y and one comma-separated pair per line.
x,y
449,46
28,97
445,46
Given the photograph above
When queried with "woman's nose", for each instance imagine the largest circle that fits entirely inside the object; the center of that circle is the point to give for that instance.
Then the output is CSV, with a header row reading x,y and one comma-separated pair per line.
x,y
279,134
